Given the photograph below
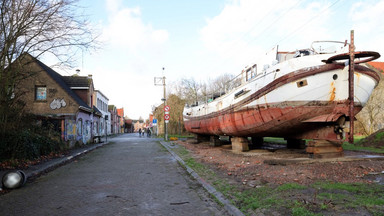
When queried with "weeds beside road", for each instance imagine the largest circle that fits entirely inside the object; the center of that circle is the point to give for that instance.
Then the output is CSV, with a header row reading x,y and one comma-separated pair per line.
x,y
250,189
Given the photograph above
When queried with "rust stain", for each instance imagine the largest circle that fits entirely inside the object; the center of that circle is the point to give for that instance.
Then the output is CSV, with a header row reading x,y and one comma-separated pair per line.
x,y
332,92
358,75
265,101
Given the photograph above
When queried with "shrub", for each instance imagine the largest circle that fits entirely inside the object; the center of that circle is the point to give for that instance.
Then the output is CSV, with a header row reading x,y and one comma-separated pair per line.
x,y
29,143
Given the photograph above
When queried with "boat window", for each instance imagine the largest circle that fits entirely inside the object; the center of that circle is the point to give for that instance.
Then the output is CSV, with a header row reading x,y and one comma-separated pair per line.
x,y
251,72
301,53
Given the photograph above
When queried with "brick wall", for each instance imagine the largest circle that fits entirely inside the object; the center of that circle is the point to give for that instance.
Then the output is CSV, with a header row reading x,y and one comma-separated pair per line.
x,y
57,100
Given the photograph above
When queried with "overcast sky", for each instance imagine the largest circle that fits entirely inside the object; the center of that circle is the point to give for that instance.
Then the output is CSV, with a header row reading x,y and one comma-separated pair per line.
x,y
205,38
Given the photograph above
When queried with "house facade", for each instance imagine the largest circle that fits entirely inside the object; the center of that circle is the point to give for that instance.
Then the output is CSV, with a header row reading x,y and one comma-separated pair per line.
x,y
114,119
120,113
63,101
128,126
101,102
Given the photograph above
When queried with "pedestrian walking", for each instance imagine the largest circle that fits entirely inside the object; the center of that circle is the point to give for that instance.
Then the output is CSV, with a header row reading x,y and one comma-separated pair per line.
x,y
148,132
140,132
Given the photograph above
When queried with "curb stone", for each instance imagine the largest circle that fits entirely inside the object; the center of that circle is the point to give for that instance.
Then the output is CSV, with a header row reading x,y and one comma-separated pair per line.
x,y
39,169
231,209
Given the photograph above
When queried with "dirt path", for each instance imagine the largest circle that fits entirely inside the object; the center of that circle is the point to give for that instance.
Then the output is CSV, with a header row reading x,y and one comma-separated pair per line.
x,y
257,166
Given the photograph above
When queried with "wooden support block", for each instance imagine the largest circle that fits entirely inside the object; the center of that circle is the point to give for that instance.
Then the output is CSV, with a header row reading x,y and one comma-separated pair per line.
x,y
324,149
240,144
320,150
321,143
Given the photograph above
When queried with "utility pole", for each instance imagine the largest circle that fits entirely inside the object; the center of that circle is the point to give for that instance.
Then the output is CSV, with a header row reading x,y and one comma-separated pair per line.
x,y
158,82
106,128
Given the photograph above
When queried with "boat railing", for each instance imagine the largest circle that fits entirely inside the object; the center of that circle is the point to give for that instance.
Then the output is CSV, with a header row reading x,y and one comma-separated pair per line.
x,y
327,47
246,75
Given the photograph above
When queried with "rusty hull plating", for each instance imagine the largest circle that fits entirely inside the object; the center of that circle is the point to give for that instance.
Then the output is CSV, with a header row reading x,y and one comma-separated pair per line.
x,y
293,119
324,118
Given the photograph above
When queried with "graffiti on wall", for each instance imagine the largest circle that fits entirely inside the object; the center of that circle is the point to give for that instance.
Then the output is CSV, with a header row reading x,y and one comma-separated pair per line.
x,y
79,127
87,132
58,103
71,130
95,128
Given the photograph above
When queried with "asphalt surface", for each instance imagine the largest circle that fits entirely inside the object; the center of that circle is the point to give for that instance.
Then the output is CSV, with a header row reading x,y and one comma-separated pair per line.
x,y
129,176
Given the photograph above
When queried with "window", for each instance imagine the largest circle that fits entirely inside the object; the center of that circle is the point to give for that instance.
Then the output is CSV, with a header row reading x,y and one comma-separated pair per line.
x,y
41,93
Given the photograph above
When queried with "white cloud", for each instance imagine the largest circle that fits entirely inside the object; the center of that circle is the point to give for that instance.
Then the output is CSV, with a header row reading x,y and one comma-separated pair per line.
x,y
367,22
245,30
124,69
113,5
135,92
126,29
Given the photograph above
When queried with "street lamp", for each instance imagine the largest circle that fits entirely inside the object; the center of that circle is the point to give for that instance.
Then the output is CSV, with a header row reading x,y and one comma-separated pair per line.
x,y
13,179
160,81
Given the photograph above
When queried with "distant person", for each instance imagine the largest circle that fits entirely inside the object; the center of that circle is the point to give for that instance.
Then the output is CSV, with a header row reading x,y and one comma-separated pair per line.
x,y
148,132
140,132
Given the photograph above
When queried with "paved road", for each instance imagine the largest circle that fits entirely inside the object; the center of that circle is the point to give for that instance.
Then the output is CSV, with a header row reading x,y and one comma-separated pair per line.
x,y
130,176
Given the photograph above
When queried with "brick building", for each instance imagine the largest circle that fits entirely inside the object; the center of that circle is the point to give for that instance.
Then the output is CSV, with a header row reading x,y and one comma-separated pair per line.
x,y
114,119
66,102
120,113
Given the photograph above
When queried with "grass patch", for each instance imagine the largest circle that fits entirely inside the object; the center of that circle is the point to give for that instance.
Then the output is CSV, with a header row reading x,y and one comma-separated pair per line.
x,y
275,140
321,198
225,188
357,147
358,195
358,188
259,198
199,168
331,196
379,136
302,211
357,138
291,186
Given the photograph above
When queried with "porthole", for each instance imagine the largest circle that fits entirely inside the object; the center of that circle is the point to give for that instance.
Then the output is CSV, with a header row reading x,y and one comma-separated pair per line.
x,y
301,83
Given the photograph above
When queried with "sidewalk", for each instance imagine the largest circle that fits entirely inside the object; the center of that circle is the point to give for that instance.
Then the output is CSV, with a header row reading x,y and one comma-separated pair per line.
x,y
46,166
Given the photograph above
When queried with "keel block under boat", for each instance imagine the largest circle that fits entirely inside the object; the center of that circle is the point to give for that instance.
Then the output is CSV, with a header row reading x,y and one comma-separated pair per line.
x,y
324,149
239,144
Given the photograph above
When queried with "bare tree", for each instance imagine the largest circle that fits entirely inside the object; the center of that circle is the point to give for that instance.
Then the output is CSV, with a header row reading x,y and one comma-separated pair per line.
x,y
192,91
371,118
188,90
36,27
223,83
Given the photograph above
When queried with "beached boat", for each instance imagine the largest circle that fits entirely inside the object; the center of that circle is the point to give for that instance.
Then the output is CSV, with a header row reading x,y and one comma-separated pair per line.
x,y
294,95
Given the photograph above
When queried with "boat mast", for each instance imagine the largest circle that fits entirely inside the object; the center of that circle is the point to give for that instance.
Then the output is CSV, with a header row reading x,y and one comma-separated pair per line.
x,y
351,87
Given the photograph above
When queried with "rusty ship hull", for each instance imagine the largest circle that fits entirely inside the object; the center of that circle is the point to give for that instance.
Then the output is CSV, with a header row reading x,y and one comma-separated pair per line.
x,y
301,98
